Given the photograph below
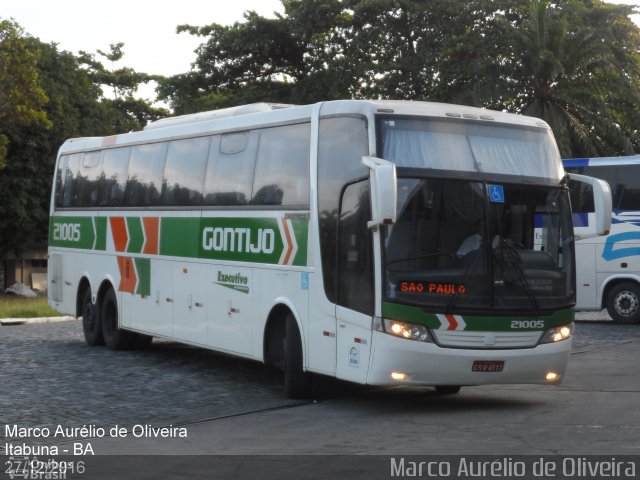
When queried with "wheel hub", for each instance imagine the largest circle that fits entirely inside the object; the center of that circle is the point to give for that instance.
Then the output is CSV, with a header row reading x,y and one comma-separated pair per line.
x,y
626,304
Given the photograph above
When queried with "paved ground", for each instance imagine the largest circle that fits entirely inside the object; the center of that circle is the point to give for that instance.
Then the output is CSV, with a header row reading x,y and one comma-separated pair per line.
x,y
230,406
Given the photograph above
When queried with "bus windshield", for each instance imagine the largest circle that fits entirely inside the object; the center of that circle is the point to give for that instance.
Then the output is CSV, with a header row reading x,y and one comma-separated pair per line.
x,y
471,146
462,245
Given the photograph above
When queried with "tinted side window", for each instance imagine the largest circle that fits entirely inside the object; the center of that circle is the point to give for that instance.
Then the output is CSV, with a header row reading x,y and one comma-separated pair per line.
x,y
70,181
603,172
581,196
88,180
145,175
114,176
230,169
60,177
282,167
184,171
355,255
628,187
342,143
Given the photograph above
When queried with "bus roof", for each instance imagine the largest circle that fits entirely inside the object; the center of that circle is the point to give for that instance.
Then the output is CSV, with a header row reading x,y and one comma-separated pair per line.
x,y
264,114
601,161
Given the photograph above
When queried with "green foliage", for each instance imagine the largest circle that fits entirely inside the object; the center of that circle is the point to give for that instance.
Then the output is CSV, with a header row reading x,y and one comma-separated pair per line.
x,y
21,97
126,112
574,63
73,105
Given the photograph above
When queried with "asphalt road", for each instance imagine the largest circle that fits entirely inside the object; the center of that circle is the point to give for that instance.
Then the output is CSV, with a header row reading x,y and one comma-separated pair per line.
x,y
228,406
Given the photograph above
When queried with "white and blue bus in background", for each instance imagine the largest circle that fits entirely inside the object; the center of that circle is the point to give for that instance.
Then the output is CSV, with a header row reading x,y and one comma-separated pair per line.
x,y
608,267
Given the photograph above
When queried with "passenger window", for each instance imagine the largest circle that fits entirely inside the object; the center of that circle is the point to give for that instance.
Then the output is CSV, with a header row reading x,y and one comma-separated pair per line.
x,y
233,143
628,187
230,169
60,177
282,166
88,183
184,171
114,176
144,183
70,181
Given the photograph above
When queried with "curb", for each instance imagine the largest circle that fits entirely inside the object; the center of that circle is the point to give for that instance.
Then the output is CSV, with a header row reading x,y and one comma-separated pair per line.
x,y
22,321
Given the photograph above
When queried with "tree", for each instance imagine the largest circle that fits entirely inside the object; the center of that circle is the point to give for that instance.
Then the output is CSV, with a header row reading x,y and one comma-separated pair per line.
x,y
21,96
296,57
574,63
127,112
73,109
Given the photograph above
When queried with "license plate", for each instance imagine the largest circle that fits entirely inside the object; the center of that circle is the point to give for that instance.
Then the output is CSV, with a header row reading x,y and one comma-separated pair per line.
x,y
487,366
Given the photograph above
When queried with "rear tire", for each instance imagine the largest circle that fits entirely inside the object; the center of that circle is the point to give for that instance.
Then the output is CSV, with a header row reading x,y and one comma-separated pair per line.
x,y
90,321
297,382
114,337
623,303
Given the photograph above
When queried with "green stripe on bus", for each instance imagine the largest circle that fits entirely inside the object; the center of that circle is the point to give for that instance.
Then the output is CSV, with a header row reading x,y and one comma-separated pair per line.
x,y
71,232
143,270
180,237
270,240
136,237
407,313
100,224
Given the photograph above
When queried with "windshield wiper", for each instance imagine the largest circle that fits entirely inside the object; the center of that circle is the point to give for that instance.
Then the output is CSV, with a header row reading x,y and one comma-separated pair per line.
x,y
512,259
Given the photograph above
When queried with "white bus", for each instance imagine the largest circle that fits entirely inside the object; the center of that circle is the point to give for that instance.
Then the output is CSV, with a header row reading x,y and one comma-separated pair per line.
x,y
608,268
327,239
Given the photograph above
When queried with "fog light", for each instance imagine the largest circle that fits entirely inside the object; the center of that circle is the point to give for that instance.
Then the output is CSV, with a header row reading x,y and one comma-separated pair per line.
x,y
398,376
552,376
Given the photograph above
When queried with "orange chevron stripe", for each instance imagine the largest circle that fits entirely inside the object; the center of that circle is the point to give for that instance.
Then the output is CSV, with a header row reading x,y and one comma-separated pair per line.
x,y
287,234
119,232
151,228
128,277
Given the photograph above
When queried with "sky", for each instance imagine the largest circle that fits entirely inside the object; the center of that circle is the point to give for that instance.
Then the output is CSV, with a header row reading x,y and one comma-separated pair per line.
x,y
147,27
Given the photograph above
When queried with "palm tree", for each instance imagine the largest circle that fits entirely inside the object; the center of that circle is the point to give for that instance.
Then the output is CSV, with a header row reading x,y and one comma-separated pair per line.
x,y
571,68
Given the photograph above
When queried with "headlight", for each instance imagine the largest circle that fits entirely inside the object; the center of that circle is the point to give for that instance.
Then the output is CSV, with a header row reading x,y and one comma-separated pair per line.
x,y
410,331
557,334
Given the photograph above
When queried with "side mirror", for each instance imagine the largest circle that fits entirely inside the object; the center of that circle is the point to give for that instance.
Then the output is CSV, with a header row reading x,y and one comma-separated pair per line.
x,y
602,205
382,178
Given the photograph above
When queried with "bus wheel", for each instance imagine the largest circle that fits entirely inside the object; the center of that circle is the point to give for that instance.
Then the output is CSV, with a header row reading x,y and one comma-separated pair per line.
x,y
90,321
447,389
114,337
297,382
623,303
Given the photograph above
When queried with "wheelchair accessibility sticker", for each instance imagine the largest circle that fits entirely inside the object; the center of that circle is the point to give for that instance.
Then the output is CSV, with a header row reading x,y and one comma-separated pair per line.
x,y
496,193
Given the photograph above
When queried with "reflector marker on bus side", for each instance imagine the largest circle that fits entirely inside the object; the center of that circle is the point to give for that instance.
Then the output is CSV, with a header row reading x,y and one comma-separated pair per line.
x,y
451,322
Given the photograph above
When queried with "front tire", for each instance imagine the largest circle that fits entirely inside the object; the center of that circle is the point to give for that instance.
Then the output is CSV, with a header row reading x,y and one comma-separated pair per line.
x,y
623,303
114,337
297,382
90,321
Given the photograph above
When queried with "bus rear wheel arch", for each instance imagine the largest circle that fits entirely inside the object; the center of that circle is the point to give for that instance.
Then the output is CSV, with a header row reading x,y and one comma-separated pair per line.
x,y
623,302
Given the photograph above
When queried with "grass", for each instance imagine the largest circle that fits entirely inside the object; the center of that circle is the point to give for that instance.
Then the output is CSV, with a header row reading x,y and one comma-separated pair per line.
x,y
20,307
